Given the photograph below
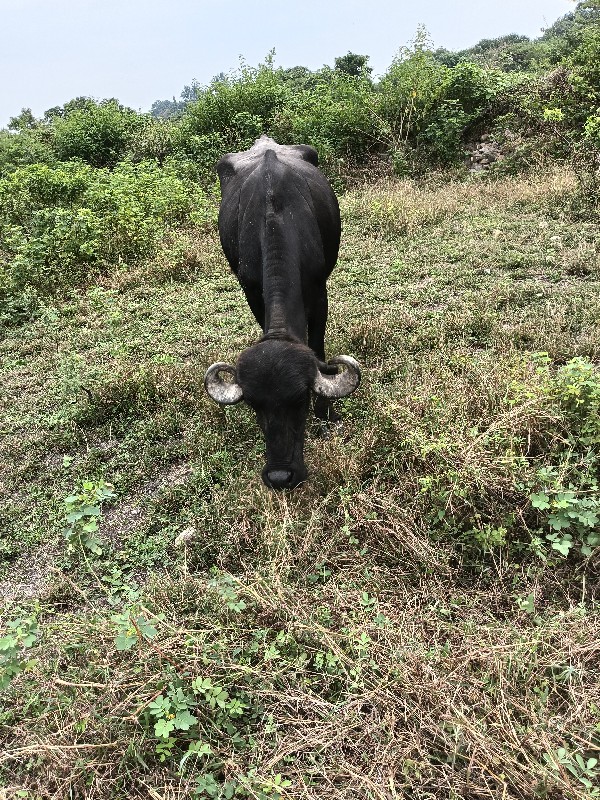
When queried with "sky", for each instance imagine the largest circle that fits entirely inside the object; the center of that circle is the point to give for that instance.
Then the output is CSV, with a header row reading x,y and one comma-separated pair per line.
x,y
144,50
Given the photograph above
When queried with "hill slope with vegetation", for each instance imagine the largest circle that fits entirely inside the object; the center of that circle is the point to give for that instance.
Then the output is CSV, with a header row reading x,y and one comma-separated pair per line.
x,y
420,619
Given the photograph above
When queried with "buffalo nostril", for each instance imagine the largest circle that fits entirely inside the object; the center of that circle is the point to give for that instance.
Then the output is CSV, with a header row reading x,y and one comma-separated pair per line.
x,y
279,478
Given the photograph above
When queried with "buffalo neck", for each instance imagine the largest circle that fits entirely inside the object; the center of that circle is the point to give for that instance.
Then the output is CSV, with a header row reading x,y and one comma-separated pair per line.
x,y
282,281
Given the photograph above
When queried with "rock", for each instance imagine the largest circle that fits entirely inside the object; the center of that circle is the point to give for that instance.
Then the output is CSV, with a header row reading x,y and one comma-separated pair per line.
x,y
185,536
484,153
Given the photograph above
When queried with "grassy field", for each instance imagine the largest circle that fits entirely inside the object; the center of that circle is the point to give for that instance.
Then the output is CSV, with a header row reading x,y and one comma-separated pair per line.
x,y
404,625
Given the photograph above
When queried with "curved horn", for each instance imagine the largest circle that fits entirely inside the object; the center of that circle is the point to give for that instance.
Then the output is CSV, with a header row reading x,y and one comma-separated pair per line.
x,y
219,390
341,385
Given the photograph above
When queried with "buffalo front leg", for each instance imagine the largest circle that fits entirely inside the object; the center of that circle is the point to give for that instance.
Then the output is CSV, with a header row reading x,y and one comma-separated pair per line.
x,y
255,299
317,320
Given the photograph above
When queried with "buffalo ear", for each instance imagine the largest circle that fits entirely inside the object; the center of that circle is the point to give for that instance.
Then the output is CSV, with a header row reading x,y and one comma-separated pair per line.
x,y
339,384
226,168
222,392
307,153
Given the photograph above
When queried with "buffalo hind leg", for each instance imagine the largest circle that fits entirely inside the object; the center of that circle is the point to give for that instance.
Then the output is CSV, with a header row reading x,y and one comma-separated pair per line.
x,y
317,320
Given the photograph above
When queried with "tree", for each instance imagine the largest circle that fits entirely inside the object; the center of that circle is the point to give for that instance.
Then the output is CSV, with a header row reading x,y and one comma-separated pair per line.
x,y
25,121
167,109
98,133
75,104
353,64
191,92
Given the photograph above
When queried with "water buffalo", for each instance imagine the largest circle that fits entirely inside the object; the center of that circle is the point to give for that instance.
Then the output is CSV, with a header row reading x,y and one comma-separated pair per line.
x,y
279,225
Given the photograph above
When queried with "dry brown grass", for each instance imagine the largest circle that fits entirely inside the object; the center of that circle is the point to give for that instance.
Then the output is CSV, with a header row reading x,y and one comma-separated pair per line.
x,y
399,207
458,694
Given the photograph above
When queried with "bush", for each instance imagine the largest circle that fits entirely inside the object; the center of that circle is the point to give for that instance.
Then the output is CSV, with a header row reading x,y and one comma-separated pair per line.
x,y
61,223
237,109
584,60
336,116
563,480
98,133
427,105
20,149
410,90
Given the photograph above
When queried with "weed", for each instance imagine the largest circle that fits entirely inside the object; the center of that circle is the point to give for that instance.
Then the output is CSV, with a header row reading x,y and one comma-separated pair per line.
x,y
83,512
584,770
21,634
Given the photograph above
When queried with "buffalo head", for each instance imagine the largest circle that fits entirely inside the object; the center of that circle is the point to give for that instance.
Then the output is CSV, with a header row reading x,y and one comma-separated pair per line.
x,y
276,378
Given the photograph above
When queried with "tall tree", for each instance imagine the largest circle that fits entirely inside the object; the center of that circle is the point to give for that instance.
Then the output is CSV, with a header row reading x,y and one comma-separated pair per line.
x,y
353,64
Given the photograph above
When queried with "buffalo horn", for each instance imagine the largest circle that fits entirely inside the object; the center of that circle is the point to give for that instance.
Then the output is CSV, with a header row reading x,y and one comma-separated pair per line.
x,y
222,392
341,385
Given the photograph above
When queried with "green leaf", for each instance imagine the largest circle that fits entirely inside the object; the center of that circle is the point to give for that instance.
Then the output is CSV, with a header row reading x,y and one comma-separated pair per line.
x,y
161,705
196,749
558,522
91,511
124,642
147,630
563,546
163,727
229,790
184,720
539,501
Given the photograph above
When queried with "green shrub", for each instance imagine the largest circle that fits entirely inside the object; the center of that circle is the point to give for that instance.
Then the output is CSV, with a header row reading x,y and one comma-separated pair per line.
x,y
410,90
238,109
428,105
533,485
83,512
336,116
98,133
58,224
441,138
21,634
156,140
474,86
584,63
567,494
19,149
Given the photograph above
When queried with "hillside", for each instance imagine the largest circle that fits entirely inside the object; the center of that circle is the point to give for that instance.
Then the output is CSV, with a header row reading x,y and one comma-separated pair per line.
x,y
398,626
420,619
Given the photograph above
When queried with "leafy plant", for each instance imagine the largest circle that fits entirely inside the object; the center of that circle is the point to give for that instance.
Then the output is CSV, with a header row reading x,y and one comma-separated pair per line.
x,y
238,108
172,711
249,785
133,626
571,519
59,224
98,133
21,634
227,589
585,770
216,697
577,389
83,513
566,492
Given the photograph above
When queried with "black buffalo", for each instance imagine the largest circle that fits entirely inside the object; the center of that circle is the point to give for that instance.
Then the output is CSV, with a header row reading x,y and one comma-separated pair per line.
x,y
279,225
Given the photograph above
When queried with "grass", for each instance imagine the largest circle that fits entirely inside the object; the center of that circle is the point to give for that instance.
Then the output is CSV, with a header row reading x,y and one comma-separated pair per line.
x,y
397,627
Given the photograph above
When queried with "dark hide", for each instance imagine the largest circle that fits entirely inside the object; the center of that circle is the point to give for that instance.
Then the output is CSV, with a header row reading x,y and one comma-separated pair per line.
x,y
279,225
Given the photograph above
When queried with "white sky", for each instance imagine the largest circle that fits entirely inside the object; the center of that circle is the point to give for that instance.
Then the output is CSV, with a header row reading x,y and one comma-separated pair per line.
x,y
144,50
